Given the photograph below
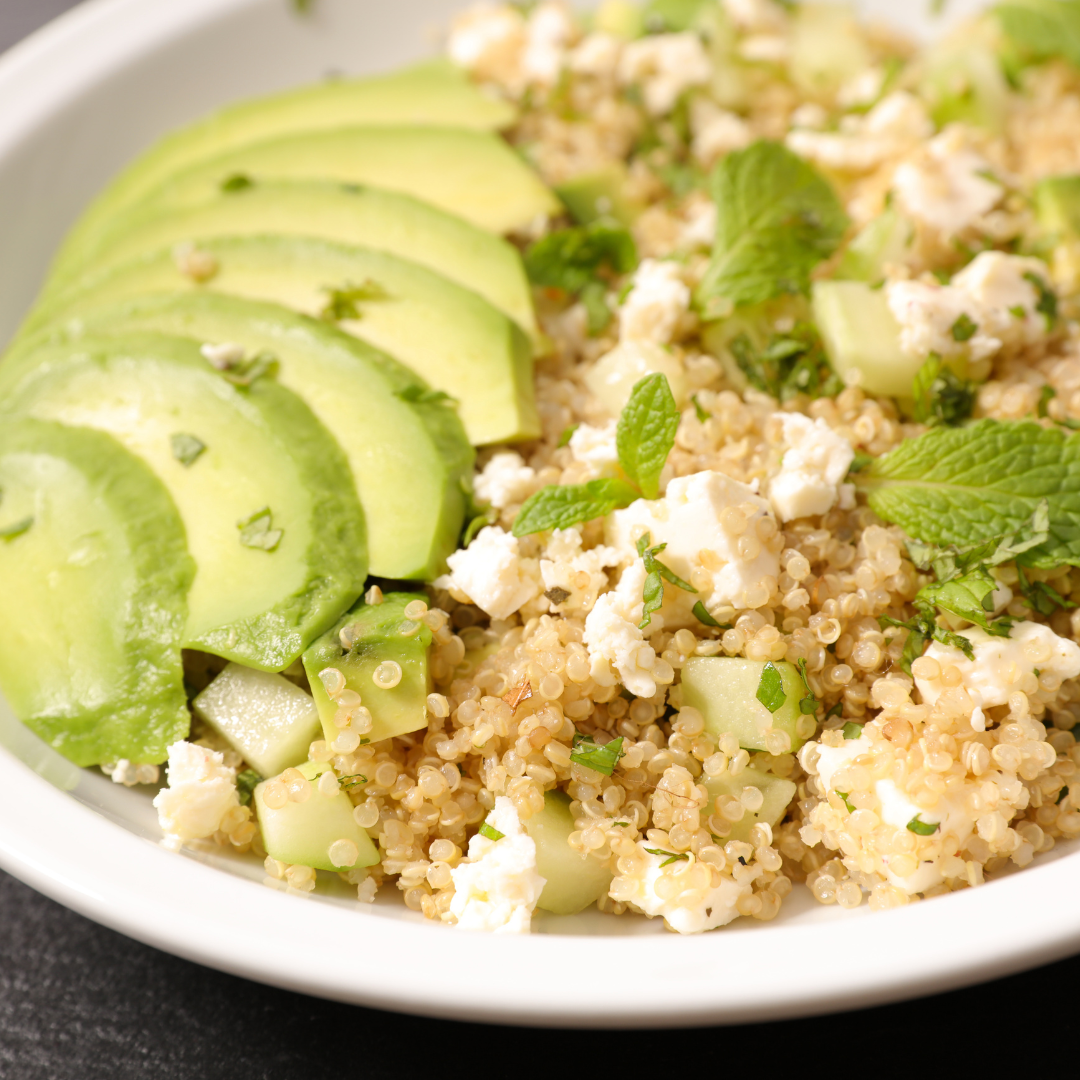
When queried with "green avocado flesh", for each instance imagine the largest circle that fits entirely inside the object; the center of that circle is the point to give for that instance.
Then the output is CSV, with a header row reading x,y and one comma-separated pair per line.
x,y
473,174
450,336
94,571
267,503
411,460
430,94
380,220
378,632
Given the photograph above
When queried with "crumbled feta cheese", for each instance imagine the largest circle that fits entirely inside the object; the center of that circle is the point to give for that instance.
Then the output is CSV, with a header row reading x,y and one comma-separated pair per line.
x,y
655,304
201,791
505,480
691,520
765,49
492,573
692,910
862,89
496,889
596,448
614,640
992,292
716,132
699,229
1000,663
814,466
550,30
613,377
892,127
756,15
665,65
487,39
563,564
947,186
597,55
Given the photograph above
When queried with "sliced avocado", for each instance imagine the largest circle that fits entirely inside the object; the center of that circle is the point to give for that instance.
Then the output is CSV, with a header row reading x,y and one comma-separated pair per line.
x,y
449,336
94,572
573,881
265,495
377,633
777,793
473,174
433,93
410,459
302,833
348,214
600,194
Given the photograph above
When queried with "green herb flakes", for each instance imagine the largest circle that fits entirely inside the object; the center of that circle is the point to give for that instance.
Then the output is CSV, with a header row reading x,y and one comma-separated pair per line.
x,y
567,435
187,449
246,782
657,573
964,329
601,759
1048,301
791,364
489,832
258,532
672,856
646,432
703,617
808,705
238,182
344,303
770,691
922,828
16,529
941,396
844,798
852,731
699,411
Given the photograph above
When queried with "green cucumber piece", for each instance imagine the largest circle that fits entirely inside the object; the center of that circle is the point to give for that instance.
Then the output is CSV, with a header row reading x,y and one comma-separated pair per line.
x,y
884,242
1057,207
778,794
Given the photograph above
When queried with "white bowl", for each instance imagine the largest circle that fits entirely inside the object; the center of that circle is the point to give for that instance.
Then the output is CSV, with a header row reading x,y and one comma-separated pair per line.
x,y
80,99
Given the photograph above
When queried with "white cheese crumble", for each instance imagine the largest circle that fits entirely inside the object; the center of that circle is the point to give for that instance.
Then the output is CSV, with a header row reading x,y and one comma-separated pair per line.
x,y
756,15
505,481
614,640
201,791
550,30
1000,663
689,912
699,228
813,468
716,132
947,186
665,66
597,56
656,303
492,573
613,377
496,889
701,549
567,567
595,447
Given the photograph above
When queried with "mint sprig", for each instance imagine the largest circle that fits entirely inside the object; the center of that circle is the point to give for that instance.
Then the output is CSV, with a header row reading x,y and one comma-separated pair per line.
x,y
657,573
561,505
601,759
1042,29
770,691
941,396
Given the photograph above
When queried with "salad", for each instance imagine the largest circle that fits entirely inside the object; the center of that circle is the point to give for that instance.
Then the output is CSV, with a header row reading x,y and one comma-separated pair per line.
x,y
628,462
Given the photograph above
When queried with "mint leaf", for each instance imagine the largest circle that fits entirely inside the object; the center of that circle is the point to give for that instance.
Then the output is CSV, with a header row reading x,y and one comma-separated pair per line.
x,y
646,432
1048,301
808,705
567,435
562,505
851,731
571,259
1043,28
672,856
657,573
489,832
845,798
778,217
601,759
792,363
970,597
770,691
187,449
921,629
257,531
962,485
941,396
653,597
1042,597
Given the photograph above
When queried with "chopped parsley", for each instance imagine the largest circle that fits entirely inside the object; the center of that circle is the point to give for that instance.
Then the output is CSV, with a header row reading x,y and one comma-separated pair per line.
x,y
1048,301
770,691
922,828
187,449
258,532
941,396
601,759
489,832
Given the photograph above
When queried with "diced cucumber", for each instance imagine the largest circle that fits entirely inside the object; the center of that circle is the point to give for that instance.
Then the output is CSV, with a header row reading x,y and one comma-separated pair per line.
x,y
380,633
862,338
600,194
827,48
886,240
302,833
270,721
778,794
724,690
1057,207
964,83
573,882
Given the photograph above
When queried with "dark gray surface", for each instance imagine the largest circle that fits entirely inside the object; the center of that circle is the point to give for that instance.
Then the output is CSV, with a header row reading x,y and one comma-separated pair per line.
x,y
79,1002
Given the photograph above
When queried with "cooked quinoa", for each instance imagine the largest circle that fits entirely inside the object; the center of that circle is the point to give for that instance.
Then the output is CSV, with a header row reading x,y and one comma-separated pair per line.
x,y
536,638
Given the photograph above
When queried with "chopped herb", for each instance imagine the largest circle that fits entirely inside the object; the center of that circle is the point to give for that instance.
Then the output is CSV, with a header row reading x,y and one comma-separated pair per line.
x,y
770,691
646,432
836,710
671,856
1046,395
941,396
657,573
490,832
187,449
808,706
1041,595
245,373
235,183
791,364
621,824
303,7
1042,29
601,759
558,595
964,329
852,731
480,521
352,781
257,531
1061,795
861,461
922,628
844,798
567,435
561,505
597,312
1048,301
344,303
422,395
16,529
246,783
922,828
701,413
704,617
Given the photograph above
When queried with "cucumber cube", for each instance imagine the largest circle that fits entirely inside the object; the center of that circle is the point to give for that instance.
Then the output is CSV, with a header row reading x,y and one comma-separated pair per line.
x,y
265,718
886,240
724,690
1057,207
303,833
778,794
573,882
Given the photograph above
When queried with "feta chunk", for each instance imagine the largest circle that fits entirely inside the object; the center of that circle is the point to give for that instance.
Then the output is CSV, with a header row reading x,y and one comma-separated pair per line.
x,y
496,889
597,56
201,791
613,377
1000,663
487,40
689,911
492,573
614,640
505,480
564,562
655,304
813,468
716,132
690,519
549,32
756,15
699,229
946,186
596,448
665,66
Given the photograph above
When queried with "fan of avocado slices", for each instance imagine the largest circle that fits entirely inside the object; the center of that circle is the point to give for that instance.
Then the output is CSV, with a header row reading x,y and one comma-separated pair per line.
x,y
257,374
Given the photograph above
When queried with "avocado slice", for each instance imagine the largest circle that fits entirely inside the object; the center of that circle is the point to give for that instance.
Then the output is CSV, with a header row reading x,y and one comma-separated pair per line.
x,y
448,335
473,174
94,572
346,213
432,93
366,637
265,495
411,460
